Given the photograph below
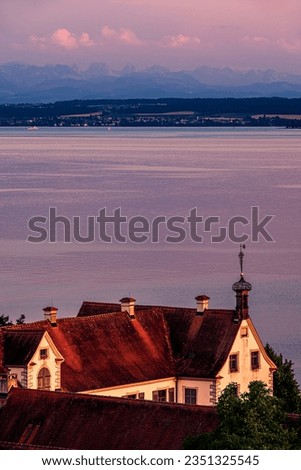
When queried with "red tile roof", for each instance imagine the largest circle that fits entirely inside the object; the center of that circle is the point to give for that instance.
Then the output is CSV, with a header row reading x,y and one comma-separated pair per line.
x,y
88,309
201,344
19,346
111,349
71,421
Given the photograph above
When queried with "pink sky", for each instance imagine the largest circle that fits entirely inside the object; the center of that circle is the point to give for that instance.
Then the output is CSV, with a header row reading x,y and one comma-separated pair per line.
x,y
178,34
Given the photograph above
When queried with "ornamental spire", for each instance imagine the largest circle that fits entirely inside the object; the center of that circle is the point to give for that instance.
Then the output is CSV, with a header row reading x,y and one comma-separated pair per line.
x,y
241,258
242,289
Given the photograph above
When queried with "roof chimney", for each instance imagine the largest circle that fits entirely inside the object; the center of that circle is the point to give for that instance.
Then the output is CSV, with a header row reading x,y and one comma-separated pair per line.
x,y
202,304
128,305
50,313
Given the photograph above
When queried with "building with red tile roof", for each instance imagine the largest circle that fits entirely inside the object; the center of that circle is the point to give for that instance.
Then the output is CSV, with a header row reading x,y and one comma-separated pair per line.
x,y
35,419
183,355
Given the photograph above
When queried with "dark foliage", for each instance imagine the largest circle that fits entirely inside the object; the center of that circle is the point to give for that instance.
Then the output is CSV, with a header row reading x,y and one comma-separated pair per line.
x,y
253,420
5,321
285,385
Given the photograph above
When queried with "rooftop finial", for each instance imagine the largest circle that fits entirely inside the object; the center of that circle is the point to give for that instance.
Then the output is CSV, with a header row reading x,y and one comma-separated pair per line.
x,y
242,289
241,260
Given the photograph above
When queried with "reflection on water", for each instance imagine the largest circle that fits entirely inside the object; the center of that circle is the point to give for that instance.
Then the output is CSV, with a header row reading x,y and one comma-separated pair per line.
x,y
152,172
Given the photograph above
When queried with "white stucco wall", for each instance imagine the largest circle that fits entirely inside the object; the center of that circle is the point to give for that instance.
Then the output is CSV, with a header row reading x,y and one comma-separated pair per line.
x,y
36,364
243,346
130,389
205,390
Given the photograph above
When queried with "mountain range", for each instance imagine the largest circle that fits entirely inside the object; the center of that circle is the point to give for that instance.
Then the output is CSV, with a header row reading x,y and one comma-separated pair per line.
x,y
25,83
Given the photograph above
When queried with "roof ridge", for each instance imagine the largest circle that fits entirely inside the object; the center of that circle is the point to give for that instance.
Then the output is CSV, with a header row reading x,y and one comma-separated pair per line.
x,y
90,397
90,317
25,326
99,303
26,330
137,305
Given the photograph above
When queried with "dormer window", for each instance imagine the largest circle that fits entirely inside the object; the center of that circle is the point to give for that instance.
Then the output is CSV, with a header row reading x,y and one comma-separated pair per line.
x,y
43,353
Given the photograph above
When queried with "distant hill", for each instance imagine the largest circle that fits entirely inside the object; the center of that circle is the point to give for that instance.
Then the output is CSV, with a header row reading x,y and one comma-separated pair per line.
x,y
24,83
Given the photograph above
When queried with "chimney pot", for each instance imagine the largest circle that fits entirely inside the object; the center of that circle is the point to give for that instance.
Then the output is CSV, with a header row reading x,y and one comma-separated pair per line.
x,y
202,304
50,313
128,305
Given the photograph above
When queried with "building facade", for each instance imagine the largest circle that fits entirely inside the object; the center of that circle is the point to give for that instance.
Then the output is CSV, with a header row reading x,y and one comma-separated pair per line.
x,y
165,354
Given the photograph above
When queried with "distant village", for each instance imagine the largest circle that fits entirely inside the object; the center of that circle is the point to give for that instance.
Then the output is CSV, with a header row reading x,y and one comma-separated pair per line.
x,y
162,120
228,112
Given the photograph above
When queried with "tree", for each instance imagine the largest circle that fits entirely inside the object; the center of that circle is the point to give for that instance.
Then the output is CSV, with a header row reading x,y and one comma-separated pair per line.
x,y
285,386
253,420
21,319
5,321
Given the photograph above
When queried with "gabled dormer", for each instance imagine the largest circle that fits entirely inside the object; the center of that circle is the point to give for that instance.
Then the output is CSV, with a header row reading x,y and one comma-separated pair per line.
x,y
32,359
44,368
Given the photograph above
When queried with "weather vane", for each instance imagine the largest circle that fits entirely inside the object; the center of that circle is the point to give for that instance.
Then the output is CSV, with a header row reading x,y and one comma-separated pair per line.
x,y
241,256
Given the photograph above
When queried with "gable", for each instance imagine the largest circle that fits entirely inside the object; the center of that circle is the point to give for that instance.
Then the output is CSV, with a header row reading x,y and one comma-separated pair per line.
x,y
247,360
260,345
47,343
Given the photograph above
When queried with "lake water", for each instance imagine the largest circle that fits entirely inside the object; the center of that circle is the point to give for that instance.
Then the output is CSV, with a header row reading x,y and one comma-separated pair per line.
x,y
154,172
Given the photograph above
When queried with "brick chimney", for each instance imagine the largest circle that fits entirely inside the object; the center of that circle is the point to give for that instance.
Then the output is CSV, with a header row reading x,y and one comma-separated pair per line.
x,y
202,304
50,313
128,305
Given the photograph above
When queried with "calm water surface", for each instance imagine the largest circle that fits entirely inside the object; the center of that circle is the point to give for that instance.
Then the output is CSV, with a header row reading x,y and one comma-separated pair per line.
x,y
154,172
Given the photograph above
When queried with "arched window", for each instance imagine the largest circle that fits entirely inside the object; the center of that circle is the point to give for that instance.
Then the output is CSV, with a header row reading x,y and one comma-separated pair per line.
x,y
44,379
